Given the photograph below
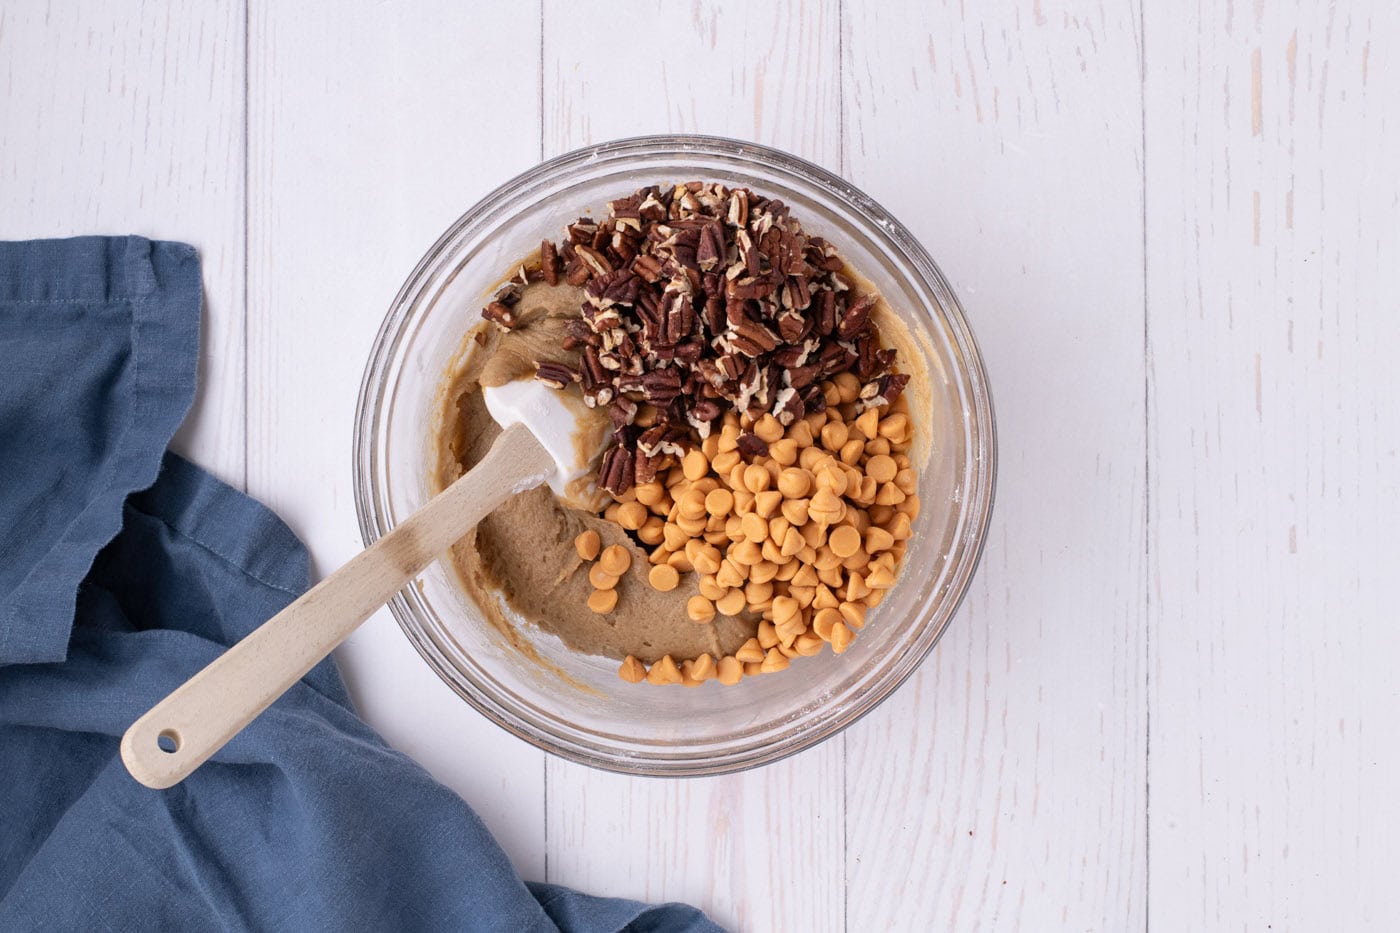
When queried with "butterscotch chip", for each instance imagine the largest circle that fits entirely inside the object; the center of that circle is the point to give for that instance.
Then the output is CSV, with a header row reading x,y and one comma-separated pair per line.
x,y
731,603
718,502
731,573
889,494
767,504
731,670
910,507
709,588
664,671
788,632
808,644
587,544
774,661
663,578
751,651
674,536
853,614
856,561
631,515
851,451
703,668
768,428
856,588
868,424
762,572
844,541
831,476
899,527
615,559
725,461
707,560
688,678
767,635
834,435
795,482
602,601
693,527
650,494
841,637
700,610
632,670
801,432
823,621
877,540
746,552
795,511
783,452
826,506
753,668
692,504
787,570
881,467
756,478
806,576
880,579
785,610
651,531
600,578
758,593
755,527
894,427
695,464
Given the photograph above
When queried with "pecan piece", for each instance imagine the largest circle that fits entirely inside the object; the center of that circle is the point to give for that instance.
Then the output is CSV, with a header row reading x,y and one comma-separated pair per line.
x,y
500,314
549,262
751,445
856,317
555,375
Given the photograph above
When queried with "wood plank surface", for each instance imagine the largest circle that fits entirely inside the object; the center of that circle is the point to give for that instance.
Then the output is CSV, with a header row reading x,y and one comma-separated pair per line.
x,y
1273,137
1003,787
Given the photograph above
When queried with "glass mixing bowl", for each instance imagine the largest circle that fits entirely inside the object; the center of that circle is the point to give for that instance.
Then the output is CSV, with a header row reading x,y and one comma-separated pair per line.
x,y
601,720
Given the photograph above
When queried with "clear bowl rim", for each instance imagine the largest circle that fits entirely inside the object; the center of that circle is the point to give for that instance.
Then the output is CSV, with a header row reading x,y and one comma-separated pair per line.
x,y
391,331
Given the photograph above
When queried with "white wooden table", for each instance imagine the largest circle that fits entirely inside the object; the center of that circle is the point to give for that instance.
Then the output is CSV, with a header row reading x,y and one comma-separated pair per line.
x,y
1170,700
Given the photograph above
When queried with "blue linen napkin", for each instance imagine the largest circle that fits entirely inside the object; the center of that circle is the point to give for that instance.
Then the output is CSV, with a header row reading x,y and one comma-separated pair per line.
x,y
123,571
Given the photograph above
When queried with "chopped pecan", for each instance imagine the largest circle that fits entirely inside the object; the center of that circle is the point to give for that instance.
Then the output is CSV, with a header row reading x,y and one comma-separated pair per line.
x,y
857,316
595,261
555,375
549,262
751,445
499,314
616,471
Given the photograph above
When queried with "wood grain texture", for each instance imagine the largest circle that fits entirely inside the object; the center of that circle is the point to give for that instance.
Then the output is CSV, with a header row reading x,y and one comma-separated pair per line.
x,y
1273,137
761,850
1003,788
127,117
372,128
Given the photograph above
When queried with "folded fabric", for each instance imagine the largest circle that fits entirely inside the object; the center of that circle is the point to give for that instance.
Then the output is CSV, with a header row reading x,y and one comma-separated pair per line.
x,y
124,570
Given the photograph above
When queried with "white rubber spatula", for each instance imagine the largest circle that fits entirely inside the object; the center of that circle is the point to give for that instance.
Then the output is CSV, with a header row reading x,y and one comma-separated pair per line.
x,y
542,442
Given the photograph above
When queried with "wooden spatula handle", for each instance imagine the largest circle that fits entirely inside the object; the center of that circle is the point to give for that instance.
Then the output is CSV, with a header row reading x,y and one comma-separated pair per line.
x,y
180,733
